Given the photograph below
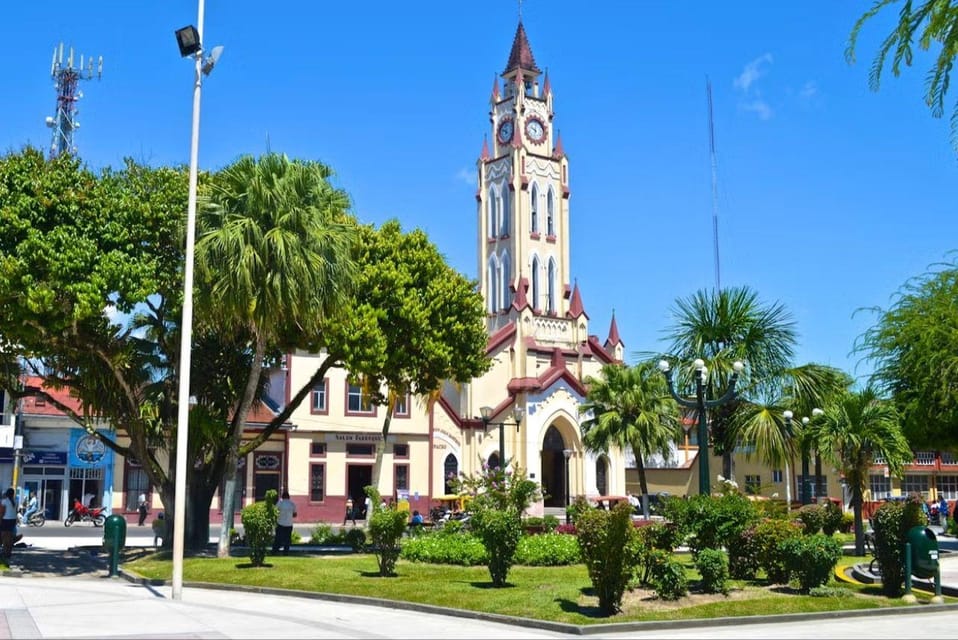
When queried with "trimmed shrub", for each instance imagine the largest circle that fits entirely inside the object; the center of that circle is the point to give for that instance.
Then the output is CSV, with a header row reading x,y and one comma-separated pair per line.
x,y
321,534
259,523
578,505
355,538
743,555
660,535
831,518
551,523
568,529
669,579
713,567
386,528
769,534
547,549
811,559
830,592
715,522
891,522
462,549
499,530
604,542
811,518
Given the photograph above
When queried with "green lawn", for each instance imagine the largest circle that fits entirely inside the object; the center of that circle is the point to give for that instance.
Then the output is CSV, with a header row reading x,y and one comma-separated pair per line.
x,y
561,594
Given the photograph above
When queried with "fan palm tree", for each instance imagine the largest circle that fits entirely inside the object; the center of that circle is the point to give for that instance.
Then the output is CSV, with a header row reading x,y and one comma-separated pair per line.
x,y
274,259
853,433
631,407
728,325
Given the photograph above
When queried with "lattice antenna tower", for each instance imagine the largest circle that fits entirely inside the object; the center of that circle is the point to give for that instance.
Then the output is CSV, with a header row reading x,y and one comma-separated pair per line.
x,y
67,78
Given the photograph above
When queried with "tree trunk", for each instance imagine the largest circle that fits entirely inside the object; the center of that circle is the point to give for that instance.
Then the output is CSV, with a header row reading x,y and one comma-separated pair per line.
x,y
232,455
381,450
643,484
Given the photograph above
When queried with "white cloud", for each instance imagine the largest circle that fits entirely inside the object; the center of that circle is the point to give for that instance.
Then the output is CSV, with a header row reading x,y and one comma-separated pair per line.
x,y
752,72
759,107
808,91
113,315
468,176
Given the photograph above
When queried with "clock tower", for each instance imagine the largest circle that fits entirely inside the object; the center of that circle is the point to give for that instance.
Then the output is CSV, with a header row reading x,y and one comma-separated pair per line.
x,y
523,198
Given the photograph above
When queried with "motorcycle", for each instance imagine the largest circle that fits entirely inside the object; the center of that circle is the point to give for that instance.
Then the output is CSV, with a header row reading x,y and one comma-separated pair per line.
x,y
82,513
37,519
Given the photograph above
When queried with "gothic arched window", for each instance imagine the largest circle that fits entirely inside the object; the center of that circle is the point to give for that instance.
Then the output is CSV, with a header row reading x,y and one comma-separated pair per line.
x,y
535,283
550,214
450,471
534,208
506,269
493,213
551,307
504,227
492,284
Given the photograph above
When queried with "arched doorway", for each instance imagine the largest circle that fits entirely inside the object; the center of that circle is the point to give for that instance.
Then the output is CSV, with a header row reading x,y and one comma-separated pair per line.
x,y
553,468
450,470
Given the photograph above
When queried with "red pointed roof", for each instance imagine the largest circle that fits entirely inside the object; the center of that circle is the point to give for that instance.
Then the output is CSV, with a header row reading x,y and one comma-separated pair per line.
x,y
485,149
575,305
521,55
613,338
558,151
547,86
519,300
495,89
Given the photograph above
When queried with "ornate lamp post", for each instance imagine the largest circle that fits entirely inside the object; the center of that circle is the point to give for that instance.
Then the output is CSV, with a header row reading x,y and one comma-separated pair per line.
x,y
517,414
568,454
701,404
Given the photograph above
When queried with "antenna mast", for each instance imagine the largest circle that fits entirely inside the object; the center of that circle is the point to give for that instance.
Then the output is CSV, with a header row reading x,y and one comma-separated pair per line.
x,y
67,78
715,237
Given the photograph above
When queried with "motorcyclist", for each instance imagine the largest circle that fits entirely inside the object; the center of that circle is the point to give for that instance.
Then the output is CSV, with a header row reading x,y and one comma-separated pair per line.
x,y
32,507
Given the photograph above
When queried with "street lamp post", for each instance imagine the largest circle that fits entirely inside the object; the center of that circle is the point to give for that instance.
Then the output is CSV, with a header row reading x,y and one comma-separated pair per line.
x,y
818,456
190,42
806,489
517,414
701,404
568,454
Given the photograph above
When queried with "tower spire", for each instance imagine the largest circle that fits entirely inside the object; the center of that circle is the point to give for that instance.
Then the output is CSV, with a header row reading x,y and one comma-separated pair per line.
x,y
520,57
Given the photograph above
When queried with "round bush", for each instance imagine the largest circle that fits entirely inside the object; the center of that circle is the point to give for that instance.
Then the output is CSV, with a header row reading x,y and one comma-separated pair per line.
x,y
811,559
356,538
713,567
769,534
669,580
811,518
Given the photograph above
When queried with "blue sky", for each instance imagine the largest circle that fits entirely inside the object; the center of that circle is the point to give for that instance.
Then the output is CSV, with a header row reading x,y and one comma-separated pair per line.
x,y
830,196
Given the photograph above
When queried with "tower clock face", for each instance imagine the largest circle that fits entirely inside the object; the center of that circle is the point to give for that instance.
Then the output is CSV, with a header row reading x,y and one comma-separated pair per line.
x,y
505,132
536,130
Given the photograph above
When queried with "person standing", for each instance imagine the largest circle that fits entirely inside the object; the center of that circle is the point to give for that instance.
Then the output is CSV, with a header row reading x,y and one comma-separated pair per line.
x,y
8,523
349,512
943,513
142,508
284,523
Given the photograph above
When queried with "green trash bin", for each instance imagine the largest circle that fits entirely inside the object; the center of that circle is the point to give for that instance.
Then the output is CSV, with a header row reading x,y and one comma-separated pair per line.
x,y
924,552
114,539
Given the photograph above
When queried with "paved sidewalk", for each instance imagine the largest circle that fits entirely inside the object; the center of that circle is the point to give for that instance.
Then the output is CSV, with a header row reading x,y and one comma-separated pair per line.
x,y
54,593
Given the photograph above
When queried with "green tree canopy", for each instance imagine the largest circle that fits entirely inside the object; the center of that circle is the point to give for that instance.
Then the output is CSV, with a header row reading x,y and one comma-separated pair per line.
x,y
914,347
921,22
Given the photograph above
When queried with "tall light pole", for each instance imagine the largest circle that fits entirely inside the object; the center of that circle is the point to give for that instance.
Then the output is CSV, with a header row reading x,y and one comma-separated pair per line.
x,y
190,41
517,414
700,403
568,454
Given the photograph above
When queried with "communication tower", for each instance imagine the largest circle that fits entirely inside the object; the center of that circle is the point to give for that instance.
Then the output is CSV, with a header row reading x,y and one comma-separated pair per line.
x,y
67,78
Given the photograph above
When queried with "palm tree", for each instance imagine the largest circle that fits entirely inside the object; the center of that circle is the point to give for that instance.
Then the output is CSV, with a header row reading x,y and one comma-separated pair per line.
x,y
728,325
273,260
631,407
853,433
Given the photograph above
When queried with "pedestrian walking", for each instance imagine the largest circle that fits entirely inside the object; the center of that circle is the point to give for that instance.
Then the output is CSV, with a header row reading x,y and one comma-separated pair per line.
x,y
350,513
943,513
142,508
8,523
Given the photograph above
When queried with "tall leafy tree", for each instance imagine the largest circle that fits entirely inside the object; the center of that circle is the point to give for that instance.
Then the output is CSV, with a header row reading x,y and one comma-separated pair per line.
x,y
630,407
856,431
273,261
914,347
413,323
927,23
